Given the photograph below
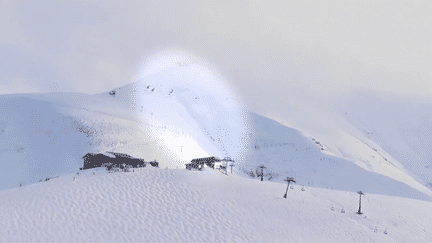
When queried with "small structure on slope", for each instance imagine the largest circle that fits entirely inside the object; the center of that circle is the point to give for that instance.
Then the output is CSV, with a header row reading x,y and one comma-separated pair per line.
x,y
227,160
212,162
114,160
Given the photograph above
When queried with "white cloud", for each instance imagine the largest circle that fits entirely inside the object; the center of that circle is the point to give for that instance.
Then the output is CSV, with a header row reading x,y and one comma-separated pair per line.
x,y
328,46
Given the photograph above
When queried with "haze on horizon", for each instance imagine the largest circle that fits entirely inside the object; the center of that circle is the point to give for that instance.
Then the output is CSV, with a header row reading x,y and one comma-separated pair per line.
x,y
272,52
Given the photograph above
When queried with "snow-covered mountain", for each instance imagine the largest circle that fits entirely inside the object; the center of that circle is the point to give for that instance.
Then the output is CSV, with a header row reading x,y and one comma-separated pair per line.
x,y
290,152
173,122
174,116
401,126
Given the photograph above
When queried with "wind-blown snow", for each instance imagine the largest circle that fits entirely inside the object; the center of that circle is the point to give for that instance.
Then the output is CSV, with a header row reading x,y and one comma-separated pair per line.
x,y
158,205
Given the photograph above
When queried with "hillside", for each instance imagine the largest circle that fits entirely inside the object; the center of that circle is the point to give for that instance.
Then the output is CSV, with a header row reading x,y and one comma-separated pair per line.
x,y
173,118
289,152
169,205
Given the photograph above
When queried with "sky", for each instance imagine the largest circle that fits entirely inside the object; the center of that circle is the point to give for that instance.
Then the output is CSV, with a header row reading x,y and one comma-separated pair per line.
x,y
291,61
272,52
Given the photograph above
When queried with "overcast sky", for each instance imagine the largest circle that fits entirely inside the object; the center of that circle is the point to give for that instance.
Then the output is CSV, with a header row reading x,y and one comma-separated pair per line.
x,y
269,50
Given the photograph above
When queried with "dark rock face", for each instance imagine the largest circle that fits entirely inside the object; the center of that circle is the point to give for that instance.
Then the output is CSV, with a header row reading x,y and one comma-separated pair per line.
x,y
94,160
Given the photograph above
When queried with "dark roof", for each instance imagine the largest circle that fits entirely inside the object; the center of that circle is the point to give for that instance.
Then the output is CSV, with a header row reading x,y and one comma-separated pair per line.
x,y
93,160
208,158
205,160
120,155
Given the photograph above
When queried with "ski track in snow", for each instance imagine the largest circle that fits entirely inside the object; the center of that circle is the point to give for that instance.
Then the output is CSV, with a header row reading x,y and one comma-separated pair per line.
x,y
160,205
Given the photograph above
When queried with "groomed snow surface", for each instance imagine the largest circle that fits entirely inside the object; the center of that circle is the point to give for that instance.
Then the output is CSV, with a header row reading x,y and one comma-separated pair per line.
x,y
170,205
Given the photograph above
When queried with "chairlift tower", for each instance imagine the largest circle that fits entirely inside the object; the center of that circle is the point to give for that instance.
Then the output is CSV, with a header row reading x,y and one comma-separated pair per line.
x,y
262,173
359,211
288,179
232,164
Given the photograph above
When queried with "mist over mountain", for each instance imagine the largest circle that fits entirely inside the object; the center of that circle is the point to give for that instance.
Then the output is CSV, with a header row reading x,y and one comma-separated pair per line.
x,y
171,117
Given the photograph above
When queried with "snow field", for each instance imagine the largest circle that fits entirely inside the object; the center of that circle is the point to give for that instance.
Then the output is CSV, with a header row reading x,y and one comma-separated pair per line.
x,y
161,205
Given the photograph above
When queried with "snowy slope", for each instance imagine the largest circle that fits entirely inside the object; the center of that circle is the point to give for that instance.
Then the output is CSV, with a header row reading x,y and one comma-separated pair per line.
x,y
158,205
36,141
174,117
289,152
380,133
401,127
187,99
45,135
354,159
